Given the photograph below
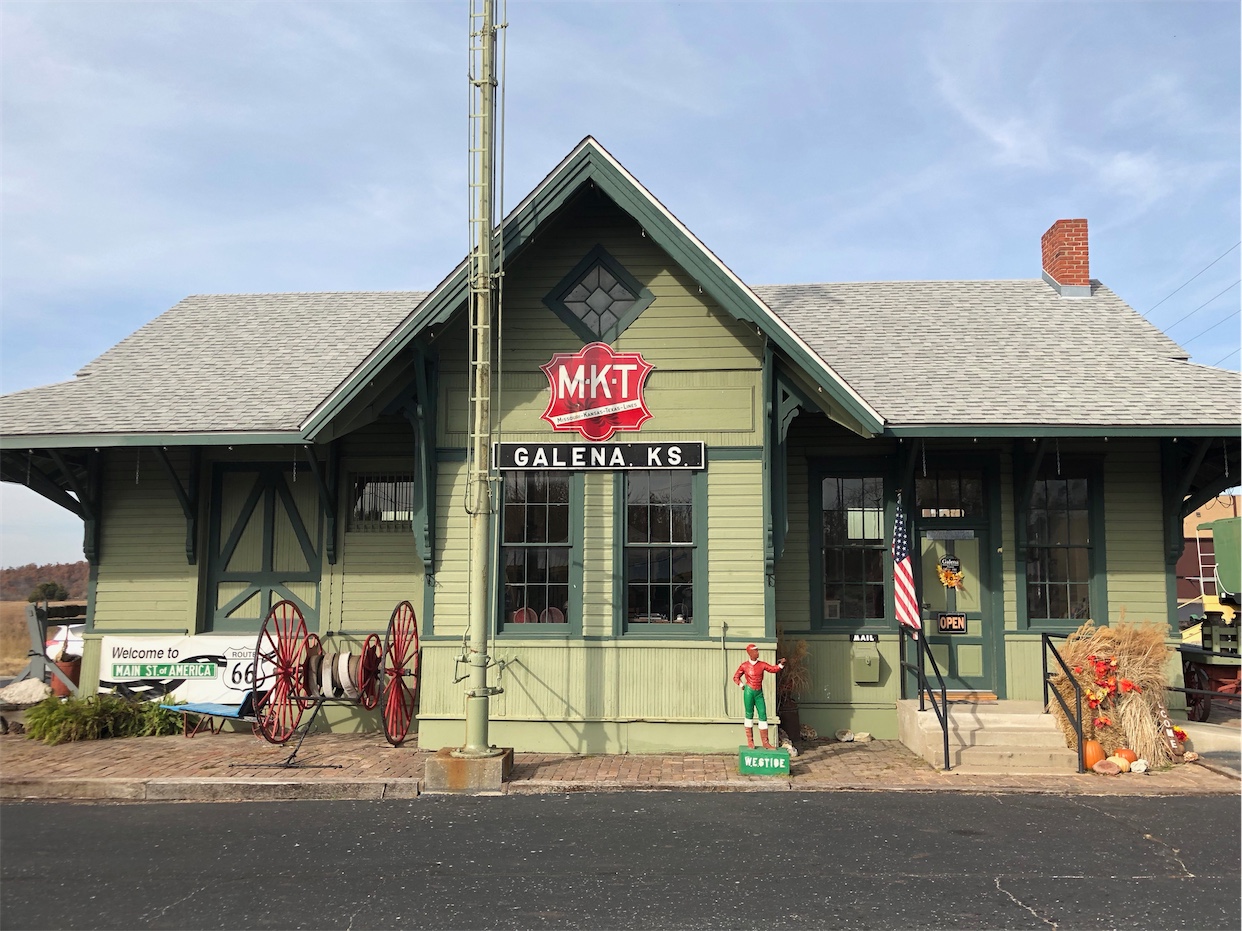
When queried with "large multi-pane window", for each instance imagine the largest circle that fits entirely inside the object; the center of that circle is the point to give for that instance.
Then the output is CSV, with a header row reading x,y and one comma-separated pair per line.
x,y
853,548
536,548
659,547
1058,557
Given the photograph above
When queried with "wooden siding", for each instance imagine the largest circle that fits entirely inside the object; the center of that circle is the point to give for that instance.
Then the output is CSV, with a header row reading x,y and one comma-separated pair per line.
x,y
735,532
375,573
144,580
1134,532
615,681
793,569
708,367
1008,547
452,563
599,575
721,408
375,569
388,442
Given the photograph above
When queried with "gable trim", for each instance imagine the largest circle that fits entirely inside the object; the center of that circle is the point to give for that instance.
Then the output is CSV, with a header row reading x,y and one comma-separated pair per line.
x,y
591,163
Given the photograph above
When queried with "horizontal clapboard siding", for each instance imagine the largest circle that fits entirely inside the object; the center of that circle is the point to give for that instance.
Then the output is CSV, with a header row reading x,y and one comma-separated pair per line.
x,y
615,681
144,579
1134,532
735,546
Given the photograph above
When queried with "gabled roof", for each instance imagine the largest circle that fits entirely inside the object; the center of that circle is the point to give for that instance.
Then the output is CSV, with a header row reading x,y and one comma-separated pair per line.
x,y
961,355
590,163
968,357
229,367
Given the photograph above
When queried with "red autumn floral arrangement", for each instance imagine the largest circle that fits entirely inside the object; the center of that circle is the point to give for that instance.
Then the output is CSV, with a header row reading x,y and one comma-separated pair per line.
x,y
1108,686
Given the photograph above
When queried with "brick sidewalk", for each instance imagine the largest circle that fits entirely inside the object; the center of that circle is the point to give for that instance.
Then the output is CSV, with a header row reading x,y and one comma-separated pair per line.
x,y
224,767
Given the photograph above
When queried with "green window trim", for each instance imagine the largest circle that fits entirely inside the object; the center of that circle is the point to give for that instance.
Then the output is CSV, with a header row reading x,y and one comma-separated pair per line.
x,y
1097,584
854,468
698,627
572,627
556,300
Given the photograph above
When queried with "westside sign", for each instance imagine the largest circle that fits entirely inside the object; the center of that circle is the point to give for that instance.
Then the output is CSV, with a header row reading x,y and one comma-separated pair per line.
x,y
596,391
598,456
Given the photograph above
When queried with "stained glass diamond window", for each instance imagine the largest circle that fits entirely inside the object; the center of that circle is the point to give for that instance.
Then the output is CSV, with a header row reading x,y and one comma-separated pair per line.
x,y
599,300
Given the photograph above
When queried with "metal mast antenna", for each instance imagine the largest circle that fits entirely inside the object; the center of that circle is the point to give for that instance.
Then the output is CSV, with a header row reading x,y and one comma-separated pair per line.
x,y
483,288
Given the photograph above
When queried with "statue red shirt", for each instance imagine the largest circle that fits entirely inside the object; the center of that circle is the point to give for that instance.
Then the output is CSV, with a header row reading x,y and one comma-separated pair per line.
x,y
753,670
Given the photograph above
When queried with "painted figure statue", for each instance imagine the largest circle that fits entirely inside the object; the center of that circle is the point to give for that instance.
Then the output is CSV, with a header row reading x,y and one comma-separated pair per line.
x,y
749,676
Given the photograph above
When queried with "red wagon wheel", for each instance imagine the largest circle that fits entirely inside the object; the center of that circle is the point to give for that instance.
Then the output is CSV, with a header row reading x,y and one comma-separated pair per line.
x,y
401,673
279,670
370,662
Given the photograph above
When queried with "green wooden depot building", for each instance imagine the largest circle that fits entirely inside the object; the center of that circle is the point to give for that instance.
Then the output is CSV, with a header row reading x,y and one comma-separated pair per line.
x,y
1042,436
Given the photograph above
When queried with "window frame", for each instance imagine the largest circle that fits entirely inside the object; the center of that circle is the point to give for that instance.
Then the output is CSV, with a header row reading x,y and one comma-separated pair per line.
x,y
555,299
1097,585
572,628
698,628
404,525
817,471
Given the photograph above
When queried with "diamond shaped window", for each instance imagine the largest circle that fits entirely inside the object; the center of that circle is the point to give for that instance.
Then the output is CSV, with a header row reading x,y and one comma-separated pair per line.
x,y
598,299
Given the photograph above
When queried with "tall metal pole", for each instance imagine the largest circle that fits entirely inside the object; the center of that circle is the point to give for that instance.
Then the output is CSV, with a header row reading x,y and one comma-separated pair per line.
x,y
482,306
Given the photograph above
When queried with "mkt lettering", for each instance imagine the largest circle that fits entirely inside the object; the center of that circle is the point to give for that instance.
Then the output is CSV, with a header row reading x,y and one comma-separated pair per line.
x,y
596,391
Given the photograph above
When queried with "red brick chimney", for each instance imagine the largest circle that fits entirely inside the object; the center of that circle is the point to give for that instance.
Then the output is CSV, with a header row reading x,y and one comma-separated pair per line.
x,y
1066,265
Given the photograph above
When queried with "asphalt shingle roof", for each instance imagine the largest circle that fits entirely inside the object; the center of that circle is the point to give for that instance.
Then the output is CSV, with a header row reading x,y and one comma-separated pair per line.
x,y
993,353
987,353
217,363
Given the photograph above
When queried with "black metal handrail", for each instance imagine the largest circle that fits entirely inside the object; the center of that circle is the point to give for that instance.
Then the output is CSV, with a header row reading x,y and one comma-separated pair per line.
x,y
1075,718
920,672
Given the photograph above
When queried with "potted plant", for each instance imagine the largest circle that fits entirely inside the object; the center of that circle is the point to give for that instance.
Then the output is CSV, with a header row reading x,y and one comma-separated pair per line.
x,y
791,683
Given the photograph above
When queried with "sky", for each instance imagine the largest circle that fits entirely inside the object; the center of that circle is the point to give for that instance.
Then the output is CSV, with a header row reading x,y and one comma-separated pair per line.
x,y
155,150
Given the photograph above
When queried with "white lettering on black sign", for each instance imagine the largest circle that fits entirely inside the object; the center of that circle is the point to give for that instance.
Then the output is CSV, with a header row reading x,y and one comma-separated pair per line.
x,y
604,456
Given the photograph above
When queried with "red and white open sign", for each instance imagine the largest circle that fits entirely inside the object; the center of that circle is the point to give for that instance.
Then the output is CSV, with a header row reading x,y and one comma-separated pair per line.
x,y
597,391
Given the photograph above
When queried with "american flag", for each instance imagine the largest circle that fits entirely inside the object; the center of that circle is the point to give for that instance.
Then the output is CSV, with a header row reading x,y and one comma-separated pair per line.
x,y
903,574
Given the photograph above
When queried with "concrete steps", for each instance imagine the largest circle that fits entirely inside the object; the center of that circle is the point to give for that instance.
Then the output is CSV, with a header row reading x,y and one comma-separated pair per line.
x,y
988,737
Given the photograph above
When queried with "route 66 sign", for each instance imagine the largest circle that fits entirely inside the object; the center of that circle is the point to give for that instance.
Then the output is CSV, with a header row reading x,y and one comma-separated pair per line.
x,y
596,391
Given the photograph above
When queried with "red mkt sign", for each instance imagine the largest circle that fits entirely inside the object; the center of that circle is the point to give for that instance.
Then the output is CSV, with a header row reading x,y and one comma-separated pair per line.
x,y
596,391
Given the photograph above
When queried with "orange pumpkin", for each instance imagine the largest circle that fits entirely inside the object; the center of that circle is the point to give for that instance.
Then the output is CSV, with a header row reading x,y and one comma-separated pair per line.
x,y
1128,755
1092,753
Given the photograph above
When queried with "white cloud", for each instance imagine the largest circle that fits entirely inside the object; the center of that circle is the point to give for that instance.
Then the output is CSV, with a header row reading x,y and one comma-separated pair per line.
x,y
33,530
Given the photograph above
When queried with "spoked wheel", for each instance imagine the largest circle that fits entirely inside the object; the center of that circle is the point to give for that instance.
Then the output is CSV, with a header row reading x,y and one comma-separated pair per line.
x,y
279,670
400,673
1198,707
370,661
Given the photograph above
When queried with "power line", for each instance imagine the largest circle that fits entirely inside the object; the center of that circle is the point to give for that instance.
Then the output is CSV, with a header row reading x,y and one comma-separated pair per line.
x,y
1193,277
1232,352
1212,327
1200,307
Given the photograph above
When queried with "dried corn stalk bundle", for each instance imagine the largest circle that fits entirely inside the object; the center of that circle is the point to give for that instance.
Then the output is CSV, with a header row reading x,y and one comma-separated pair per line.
x,y
1121,672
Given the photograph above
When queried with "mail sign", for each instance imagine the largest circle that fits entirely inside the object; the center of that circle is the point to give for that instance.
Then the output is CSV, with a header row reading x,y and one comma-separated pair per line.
x,y
597,391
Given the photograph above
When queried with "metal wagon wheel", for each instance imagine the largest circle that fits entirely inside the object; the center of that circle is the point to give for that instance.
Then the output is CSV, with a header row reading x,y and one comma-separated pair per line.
x,y
400,672
1198,707
370,662
279,670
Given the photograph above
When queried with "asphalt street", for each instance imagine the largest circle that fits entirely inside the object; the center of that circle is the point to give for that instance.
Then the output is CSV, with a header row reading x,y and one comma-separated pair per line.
x,y
628,860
